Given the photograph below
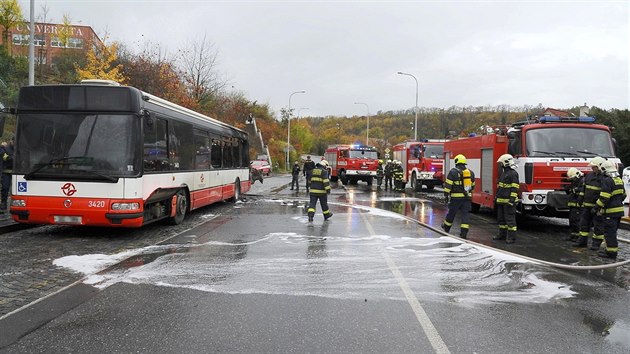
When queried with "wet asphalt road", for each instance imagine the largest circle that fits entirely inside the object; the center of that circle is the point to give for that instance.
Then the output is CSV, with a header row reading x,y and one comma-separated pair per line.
x,y
256,277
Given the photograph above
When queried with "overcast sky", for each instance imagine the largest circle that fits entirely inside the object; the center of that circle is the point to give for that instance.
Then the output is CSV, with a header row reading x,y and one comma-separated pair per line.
x,y
557,53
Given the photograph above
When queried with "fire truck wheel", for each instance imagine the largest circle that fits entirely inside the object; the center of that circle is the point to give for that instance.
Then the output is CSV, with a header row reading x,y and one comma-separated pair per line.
x,y
417,187
430,187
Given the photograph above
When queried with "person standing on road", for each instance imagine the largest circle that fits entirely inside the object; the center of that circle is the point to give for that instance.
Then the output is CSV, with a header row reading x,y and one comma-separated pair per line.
x,y
588,219
388,173
399,173
6,153
320,188
295,173
307,171
507,195
573,189
379,175
609,206
458,188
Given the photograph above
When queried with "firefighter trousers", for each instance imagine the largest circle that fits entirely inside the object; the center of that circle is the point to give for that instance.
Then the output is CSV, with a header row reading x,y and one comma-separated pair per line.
x,y
463,206
323,202
574,220
506,218
610,225
294,182
588,220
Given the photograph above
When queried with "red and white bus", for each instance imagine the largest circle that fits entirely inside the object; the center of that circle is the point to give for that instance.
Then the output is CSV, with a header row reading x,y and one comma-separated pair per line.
x,y
102,154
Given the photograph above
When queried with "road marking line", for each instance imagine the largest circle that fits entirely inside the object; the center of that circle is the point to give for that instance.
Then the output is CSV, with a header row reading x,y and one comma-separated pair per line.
x,y
425,322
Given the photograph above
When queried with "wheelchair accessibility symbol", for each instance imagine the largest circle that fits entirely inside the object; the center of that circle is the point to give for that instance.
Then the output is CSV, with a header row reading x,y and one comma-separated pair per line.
x,y
22,187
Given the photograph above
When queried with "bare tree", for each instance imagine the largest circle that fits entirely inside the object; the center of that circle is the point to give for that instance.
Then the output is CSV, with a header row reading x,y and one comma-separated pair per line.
x,y
199,65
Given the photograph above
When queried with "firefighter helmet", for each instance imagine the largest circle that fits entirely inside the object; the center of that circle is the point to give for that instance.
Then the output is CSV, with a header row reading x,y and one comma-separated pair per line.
x,y
380,162
324,163
506,160
460,159
609,168
574,173
596,161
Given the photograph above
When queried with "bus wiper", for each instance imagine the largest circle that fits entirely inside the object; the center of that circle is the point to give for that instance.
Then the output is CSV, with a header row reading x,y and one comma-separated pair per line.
x,y
543,152
102,175
77,160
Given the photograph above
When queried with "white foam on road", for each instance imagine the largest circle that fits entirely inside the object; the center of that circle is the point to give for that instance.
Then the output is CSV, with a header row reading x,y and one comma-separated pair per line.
x,y
336,266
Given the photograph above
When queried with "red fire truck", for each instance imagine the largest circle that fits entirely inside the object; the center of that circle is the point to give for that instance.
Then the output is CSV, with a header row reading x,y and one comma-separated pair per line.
x,y
544,149
422,162
352,163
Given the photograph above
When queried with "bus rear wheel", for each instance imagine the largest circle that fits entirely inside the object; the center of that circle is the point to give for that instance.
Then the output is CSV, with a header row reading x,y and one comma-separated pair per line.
x,y
181,207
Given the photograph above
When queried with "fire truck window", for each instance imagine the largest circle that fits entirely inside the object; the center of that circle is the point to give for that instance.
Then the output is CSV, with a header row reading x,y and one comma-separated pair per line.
x,y
514,143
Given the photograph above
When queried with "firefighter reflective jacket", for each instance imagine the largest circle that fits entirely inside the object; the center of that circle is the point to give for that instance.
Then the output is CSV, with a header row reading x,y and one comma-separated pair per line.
x,y
507,191
398,173
454,184
573,190
592,187
319,181
611,196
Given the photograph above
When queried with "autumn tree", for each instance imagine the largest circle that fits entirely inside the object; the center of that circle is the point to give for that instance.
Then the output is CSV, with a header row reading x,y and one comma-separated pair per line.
x,y
101,64
199,65
10,15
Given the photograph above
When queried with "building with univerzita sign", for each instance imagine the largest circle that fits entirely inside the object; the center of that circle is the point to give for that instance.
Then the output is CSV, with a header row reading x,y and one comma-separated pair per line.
x,y
51,40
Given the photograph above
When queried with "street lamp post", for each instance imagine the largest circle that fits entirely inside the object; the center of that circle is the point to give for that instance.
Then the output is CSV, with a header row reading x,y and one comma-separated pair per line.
x,y
415,109
289,129
367,134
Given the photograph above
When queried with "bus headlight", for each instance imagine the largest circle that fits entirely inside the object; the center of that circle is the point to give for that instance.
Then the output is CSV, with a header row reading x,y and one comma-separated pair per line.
x,y
18,203
538,198
125,206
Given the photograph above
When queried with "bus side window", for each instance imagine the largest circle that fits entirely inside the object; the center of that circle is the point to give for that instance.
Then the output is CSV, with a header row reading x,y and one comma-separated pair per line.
x,y
155,149
216,153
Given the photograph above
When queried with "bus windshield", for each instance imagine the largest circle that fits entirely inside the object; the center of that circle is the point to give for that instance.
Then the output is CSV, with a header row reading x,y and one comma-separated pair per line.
x,y
84,146
363,154
568,141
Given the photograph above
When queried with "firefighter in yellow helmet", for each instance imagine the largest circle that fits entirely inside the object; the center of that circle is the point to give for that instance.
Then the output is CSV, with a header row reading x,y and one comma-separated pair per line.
x,y
588,219
379,175
319,190
399,174
609,206
506,198
458,188
575,186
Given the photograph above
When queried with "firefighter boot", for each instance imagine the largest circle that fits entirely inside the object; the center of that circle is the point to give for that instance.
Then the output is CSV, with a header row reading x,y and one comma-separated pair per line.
x,y
463,233
607,254
501,236
446,227
511,237
328,216
310,216
582,242
595,244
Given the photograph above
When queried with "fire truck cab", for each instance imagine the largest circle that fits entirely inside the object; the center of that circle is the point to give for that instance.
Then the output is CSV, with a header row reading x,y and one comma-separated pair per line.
x,y
352,163
422,162
544,149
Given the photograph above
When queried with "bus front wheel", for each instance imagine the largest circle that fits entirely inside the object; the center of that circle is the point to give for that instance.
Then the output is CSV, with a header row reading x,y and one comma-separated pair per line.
x,y
181,207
